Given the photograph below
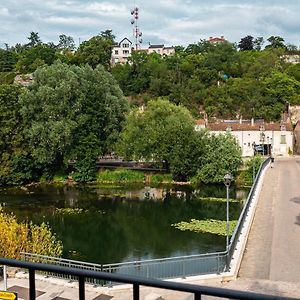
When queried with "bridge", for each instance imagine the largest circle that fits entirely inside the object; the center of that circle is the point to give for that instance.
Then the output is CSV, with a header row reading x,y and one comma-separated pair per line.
x,y
272,255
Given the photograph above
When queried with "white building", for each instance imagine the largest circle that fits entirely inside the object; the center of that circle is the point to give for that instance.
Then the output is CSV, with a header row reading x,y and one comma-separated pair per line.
x,y
121,52
161,49
272,138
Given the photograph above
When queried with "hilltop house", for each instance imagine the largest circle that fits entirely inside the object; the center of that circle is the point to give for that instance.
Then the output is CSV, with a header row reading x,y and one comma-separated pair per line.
x,y
121,52
161,49
269,138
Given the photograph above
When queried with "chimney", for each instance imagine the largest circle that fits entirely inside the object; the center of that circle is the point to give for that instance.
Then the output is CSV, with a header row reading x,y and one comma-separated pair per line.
x,y
252,121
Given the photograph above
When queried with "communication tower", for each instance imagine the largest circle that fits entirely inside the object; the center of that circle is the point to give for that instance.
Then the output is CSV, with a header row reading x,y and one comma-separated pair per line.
x,y
136,31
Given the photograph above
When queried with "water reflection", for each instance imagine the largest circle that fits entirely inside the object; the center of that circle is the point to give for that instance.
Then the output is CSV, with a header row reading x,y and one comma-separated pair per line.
x,y
106,224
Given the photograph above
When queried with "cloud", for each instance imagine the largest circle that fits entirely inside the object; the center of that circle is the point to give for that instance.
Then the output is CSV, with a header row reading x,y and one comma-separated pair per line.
x,y
172,22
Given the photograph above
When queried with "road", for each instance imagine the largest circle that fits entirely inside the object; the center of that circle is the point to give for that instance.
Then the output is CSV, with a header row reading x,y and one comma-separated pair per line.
x,y
273,249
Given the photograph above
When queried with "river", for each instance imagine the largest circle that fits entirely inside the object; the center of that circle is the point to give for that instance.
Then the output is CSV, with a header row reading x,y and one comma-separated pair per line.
x,y
109,223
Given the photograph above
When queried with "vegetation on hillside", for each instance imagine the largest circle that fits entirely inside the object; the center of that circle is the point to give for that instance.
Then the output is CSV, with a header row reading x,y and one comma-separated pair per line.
x,y
75,109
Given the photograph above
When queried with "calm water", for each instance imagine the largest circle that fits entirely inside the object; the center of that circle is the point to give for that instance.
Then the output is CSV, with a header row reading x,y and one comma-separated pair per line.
x,y
107,224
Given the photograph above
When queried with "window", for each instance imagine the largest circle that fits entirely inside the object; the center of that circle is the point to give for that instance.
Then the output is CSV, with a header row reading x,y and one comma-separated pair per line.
x,y
125,51
283,139
125,45
116,52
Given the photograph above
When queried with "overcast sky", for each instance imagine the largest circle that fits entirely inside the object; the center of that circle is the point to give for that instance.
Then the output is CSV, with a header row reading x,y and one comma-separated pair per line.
x,y
170,22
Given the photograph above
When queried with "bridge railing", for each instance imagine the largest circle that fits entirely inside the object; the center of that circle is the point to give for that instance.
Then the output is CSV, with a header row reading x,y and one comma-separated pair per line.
x,y
241,221
136,282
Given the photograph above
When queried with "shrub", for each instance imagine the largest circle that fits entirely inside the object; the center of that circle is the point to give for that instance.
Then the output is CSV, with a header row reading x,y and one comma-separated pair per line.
x,y
26,237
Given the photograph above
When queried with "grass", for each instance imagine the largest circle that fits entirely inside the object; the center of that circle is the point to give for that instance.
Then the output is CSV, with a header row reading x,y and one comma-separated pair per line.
x,y
161,178
121,176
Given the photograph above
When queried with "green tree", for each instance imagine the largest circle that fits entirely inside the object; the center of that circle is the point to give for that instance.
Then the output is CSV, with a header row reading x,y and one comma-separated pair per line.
x,y
16,166
34,57
246,43
163,133
72,112
222,154
66,43
34,39
275,42
7,60
97,50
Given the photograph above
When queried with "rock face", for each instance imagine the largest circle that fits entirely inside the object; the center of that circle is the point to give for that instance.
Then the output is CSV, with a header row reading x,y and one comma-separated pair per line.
x,y
24,79
294,112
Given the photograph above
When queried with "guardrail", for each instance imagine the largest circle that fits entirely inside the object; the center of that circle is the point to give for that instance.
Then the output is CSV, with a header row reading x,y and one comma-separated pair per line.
x,y
237,231
165,268
196,290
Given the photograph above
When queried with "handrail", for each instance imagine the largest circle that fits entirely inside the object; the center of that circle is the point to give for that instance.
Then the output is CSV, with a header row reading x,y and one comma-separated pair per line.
x,y
235,236
197,290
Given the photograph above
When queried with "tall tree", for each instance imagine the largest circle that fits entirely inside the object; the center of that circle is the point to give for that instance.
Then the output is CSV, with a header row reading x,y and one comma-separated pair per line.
x,y
246,43
163,133
221,154
275,42
97,50
34,39
72,113
66,42
258,42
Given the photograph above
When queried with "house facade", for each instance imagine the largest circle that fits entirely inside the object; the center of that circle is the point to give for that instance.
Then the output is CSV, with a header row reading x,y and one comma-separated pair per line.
x,y
121,52
161,50
272,138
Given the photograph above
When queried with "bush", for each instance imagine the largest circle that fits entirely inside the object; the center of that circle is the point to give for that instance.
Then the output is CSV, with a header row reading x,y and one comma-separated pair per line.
x,y
26,237
246,176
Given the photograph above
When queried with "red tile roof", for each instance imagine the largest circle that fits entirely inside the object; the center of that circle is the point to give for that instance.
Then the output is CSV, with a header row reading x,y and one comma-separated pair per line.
x,y
249,127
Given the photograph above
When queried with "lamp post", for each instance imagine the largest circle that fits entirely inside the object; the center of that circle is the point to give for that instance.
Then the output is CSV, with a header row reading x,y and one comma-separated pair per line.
x,y
227,181
253,161
262,138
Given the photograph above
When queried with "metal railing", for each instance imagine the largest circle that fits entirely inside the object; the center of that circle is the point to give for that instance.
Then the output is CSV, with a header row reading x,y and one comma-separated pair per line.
x,y
196,290
165,268
237,231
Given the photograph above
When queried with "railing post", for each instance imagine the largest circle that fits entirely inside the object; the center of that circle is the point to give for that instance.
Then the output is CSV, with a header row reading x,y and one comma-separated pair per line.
x,y
31,284
81,288
136,291
197,296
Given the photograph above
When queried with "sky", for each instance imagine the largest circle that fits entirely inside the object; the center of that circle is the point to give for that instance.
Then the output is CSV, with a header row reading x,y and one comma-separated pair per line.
x,y
168,22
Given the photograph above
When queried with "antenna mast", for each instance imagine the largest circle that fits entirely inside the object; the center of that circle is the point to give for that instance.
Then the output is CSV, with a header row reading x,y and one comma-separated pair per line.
x,y
136,31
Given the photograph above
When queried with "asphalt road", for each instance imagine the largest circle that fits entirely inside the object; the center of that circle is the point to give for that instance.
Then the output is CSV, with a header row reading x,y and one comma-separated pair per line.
x,y
273,248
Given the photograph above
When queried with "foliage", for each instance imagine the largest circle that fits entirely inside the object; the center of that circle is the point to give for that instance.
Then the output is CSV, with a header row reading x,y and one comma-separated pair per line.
x,y
71,113
8,60
275,42
221,154
96,51
34,57
246,175
164,133
161,178
120,175
7,77
246,43
26,237
12,141
207,226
